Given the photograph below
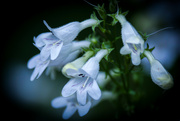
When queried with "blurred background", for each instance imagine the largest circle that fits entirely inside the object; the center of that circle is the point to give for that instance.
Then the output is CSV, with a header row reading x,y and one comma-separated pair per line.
x,y
22,99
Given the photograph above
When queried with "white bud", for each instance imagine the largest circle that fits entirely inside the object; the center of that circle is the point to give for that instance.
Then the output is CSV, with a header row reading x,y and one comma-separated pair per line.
x,y
159,74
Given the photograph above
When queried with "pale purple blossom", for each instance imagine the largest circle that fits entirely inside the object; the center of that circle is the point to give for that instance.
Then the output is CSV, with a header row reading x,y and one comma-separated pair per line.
x,y
84,80
71,105
133,42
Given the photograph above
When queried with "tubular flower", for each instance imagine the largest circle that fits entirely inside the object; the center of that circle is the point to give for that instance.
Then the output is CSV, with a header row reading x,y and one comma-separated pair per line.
x,y
84,80
38,64
78,63
51,44
133,42
159,74
71,106
63,58
68,32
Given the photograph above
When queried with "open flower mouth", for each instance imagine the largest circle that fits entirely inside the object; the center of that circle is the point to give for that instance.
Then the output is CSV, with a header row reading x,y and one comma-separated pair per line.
x,y
134,47
86,80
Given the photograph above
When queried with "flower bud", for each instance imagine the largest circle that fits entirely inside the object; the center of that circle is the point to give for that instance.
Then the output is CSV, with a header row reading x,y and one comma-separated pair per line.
x,y
159,74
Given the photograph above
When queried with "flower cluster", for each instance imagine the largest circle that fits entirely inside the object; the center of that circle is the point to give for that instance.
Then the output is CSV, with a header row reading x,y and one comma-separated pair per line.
x,y
57,47
90,73
134,45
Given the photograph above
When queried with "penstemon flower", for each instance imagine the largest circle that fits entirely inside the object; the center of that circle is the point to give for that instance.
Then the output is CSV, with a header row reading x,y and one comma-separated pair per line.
x,y
133,42
71,106
76,64
39,40
68,32
159,74
40,65
51,69
69,48
51,43
84,81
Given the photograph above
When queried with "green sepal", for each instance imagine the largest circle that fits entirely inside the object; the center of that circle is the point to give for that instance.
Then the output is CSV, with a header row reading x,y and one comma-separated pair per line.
x,y
107,56
101,11
144,35
115,20
93,16
148,49
107,45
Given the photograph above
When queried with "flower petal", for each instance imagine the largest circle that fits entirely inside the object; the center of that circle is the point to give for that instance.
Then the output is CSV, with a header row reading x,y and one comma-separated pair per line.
x,y
133,40
35,73
91,67
33,61
125,50
45,52
72,72
128,31
83,110
70,88
64,53
42,68
81,95
69,111
66,33
94,90
135,57
39,40
59,102
55,50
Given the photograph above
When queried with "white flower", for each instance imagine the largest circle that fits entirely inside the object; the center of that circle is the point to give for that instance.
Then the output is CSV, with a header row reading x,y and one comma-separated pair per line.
x,y
66,55
67,49
39,40
38,64
51,44
68,32
133,42
78,63
84,81
51,69
159,74
71,106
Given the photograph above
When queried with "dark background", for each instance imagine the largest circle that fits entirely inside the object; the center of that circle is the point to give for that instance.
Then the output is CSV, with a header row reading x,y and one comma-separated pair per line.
x,y
23,20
